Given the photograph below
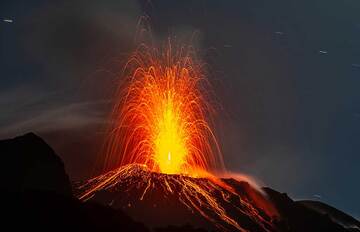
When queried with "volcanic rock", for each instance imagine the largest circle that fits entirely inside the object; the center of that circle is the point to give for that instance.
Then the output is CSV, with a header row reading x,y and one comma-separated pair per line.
x,y
334,214
296,217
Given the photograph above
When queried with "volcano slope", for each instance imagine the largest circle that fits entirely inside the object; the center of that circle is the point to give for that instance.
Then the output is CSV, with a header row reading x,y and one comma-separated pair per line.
x,y
161,199
158,200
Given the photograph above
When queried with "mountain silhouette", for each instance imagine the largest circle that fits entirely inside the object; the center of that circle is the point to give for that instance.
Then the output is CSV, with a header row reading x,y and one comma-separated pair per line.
x,y
29,163
36,193
334,214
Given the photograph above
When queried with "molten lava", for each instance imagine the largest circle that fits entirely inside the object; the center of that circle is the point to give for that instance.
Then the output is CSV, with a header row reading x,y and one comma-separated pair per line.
x,y
162,125
162,116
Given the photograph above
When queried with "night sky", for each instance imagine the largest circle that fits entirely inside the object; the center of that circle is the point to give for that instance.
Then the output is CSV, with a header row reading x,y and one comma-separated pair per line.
x,y
287,74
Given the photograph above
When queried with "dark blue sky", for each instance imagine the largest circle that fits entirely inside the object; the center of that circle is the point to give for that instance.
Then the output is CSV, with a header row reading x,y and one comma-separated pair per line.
x,y
287,74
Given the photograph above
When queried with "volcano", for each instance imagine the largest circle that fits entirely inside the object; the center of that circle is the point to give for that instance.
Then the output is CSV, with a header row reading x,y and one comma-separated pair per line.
x,y
161,163
159,200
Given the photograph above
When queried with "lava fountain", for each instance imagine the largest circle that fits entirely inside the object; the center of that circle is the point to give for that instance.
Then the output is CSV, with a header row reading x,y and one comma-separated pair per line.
x,y
161,143
163,114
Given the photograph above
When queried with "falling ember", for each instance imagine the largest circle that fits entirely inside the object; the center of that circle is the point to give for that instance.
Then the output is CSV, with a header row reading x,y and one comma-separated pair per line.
x,y
162,118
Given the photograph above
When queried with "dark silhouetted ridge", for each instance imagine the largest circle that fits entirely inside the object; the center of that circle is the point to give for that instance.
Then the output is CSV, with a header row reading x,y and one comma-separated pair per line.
x,y
29,163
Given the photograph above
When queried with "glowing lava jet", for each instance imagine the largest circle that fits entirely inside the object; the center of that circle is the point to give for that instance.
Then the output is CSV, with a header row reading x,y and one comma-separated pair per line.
x,y
162,117
161,126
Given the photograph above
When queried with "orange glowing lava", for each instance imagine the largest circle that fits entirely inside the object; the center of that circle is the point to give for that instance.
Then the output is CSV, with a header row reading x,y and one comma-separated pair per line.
x,y
162,118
